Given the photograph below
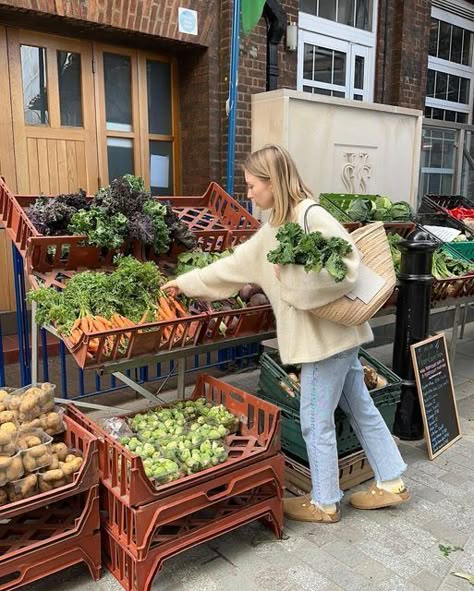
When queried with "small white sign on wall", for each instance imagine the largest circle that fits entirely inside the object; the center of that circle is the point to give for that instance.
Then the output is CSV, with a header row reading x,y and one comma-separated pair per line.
x,y
187,21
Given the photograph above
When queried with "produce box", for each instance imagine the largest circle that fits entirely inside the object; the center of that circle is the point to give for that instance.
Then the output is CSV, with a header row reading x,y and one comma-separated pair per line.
x,y
216,219
354,469
347,442
338,205
230,514
123,473
164,522
278,383
445,204
464,249
44,540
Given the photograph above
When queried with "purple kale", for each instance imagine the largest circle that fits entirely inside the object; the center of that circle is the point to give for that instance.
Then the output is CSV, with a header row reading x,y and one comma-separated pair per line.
x,y
141,228
179,231
52,216
124,195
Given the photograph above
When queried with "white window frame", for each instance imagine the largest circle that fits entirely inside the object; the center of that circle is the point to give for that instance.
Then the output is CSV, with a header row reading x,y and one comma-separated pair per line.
x,y
441,65
333,35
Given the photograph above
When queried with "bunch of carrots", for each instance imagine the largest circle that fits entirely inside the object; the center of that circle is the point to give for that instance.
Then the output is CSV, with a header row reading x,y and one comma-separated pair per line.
x,y
167,310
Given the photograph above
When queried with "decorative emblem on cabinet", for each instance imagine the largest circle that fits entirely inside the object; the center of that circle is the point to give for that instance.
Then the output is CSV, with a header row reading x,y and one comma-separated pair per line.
x,y
356,171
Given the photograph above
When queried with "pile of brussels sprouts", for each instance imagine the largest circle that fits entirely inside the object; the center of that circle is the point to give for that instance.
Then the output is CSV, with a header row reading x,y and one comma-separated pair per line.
x,y
182,439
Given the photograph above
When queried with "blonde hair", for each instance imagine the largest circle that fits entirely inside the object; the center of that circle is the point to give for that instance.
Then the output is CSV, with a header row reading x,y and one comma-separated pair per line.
x,y
275,165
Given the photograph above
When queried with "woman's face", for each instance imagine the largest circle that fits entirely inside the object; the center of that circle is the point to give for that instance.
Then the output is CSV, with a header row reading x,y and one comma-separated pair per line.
x,y
259,192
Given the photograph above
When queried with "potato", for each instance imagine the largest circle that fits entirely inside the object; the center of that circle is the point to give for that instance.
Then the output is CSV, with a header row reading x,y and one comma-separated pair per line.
x,y
71,467
8,449
29,463
9,427
5,438
7,416
53,420
5,462
70,458
54,462
15,469
38,451
52,475
14,402
33,440
2,407
45,486
44,460
3,496
61,450
3,394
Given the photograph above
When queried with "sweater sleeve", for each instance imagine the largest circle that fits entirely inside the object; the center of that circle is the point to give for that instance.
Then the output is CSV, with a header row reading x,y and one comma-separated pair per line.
x,y
226,276
306,291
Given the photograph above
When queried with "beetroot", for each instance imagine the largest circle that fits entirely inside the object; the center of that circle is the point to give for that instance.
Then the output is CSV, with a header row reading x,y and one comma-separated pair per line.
x,y
258,299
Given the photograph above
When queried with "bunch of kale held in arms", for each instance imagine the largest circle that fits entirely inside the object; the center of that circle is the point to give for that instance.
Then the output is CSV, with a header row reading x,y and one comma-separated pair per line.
x,y
312,250
121,211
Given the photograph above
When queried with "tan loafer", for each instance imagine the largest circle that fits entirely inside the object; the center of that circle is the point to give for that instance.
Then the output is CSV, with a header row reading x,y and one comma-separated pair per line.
x,y
302,509
377,498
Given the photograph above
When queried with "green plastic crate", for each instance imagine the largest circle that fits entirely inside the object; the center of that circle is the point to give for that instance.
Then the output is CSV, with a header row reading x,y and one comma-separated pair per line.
x,y
463,249
347,442
337,203
273,376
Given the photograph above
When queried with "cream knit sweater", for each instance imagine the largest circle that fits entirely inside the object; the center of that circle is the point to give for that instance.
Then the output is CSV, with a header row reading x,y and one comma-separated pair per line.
x,y
302,336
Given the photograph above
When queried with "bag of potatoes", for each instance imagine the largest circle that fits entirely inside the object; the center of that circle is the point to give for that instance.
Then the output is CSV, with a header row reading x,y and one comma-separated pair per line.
x,y
32,401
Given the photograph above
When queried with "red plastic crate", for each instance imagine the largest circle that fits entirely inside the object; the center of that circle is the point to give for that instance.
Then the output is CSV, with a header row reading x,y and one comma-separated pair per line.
x,y
137,575
122,472
76,437
38,543
136,529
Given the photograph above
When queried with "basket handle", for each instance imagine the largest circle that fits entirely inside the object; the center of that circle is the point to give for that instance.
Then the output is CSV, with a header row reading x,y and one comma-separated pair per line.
x,y
305,219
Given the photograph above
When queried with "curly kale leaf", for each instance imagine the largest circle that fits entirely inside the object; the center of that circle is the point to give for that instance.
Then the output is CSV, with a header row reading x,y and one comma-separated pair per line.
x,y
336,267
179,231
51,216
125,195
161,234
102,229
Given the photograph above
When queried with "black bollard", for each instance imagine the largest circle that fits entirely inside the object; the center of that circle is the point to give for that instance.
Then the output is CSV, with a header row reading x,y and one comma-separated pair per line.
x,y
412,326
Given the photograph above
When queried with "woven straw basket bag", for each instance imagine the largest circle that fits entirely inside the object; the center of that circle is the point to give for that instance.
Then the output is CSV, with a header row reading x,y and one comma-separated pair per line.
x,y
372,243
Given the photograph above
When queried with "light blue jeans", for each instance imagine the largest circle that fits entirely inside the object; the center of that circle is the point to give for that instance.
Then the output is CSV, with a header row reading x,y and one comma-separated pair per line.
x,y
324,385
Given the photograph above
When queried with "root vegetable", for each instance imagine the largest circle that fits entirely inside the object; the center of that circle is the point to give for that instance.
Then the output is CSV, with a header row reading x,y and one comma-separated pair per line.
x,y
61,450
15,470
3,497
52,475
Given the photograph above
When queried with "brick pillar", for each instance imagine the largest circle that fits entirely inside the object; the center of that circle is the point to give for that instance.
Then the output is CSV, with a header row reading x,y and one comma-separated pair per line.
x,y
402,57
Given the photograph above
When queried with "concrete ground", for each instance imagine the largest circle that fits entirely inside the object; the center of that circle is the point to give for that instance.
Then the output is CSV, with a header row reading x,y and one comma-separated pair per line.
x,y
413,547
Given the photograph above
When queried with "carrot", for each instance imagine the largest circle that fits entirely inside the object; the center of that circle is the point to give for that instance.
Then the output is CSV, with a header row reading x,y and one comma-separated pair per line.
x,y
179,308
165,308
76,324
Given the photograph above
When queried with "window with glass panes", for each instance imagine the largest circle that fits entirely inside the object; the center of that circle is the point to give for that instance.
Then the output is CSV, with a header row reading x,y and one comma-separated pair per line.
x,y
449,91
336,50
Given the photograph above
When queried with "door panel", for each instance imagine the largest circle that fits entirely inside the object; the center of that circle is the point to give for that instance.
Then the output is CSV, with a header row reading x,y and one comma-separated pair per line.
x,y
52,155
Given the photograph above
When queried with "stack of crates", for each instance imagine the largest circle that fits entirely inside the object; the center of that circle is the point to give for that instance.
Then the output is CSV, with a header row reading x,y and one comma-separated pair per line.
x,y
50,531
144,523
276,386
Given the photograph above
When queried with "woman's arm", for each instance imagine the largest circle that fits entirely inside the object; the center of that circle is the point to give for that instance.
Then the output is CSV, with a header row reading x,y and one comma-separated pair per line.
x,y
306,291
226,276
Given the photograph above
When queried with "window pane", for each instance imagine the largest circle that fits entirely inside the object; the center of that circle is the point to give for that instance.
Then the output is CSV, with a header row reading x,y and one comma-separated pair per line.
x,y
359,72
70,94
461,117
363,14
338,94
327,9
339,68
428,112
324,91
466,48
309,6
453,88
441,85
444,40
464,91
161,168
120,157
434,28
456,45
358,97
322,64
345,12
33,72
438,114
308,89
158,76
430,84
308,61
118,102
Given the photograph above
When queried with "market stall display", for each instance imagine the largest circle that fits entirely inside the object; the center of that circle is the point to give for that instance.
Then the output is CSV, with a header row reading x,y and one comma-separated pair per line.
x,y
459,209
280,385
49,497
397,216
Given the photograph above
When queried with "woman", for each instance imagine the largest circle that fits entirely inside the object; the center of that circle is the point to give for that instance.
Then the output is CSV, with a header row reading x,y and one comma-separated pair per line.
x,y
328,352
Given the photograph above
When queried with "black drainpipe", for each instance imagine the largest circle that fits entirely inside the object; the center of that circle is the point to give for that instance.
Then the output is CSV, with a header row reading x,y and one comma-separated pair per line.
x,y
276,27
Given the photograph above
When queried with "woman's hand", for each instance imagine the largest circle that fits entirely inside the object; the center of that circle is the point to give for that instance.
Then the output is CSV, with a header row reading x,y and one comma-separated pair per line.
x,y
277,269
171,288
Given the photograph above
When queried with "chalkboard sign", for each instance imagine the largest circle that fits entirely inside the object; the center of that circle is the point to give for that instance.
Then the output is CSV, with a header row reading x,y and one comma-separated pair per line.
x,y
436,392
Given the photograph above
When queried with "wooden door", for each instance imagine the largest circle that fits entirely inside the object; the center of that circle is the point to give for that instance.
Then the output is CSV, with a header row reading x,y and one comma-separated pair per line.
x,y
53,113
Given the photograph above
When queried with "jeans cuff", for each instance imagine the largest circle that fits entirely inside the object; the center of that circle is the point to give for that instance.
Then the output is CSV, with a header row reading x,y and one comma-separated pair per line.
x,y
327,501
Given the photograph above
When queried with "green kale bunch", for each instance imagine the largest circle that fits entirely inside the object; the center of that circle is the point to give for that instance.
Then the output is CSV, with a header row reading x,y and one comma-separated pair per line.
x,y
312,250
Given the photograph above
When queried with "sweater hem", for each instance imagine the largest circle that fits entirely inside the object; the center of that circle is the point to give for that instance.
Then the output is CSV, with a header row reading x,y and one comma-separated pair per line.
x,y
326,355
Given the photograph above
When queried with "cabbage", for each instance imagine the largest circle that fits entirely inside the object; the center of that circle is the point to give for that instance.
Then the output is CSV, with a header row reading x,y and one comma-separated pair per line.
x,y
383,203
359,210
401,211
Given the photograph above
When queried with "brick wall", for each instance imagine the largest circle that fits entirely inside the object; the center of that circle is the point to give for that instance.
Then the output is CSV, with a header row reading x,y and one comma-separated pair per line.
x,y
402,52
203,63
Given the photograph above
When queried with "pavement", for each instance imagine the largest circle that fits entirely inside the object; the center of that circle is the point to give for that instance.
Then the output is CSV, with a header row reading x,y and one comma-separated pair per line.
x,y
413,547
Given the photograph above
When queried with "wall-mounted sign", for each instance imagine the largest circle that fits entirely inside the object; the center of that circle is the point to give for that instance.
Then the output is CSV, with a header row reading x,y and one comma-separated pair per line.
x,y
187,21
